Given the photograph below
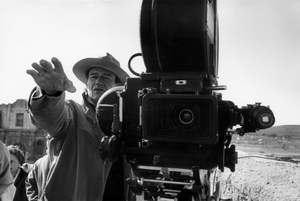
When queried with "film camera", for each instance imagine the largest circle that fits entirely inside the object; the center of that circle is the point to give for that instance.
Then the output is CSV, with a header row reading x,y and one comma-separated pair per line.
x,y
171,123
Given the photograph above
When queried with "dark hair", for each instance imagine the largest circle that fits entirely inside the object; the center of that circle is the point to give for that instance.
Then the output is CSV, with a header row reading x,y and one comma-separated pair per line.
x,y
17,152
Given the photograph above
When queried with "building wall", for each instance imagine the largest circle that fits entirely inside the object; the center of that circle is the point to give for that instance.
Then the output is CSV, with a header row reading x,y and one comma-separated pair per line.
x,y
21,131
9,111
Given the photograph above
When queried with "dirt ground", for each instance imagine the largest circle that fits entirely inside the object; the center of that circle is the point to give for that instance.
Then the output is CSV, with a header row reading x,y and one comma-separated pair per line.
x,y
262,178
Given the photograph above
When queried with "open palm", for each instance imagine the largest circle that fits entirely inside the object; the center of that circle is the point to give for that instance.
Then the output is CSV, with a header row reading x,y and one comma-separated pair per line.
x,y
51,79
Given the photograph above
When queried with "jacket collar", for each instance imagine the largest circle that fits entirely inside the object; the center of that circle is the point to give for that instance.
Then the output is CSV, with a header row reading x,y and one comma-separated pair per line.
x,y
89,107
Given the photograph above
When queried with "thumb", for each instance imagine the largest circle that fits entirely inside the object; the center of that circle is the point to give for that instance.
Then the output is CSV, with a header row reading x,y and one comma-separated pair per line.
x,y
69,86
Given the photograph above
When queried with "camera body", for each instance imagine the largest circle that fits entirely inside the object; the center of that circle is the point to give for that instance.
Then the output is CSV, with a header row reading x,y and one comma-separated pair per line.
x,y
160,127
163,126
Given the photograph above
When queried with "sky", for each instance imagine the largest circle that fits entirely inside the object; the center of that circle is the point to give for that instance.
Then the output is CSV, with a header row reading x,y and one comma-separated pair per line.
x,y
259,50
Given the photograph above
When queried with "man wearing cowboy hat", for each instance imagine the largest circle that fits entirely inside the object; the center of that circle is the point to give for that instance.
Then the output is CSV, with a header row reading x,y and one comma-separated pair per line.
x,y
76,170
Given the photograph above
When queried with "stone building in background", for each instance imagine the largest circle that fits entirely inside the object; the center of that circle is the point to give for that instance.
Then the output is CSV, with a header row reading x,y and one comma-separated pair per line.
x,y
16,128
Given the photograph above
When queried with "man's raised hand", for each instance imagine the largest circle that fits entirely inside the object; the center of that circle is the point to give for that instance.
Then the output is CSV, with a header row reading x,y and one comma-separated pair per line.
x,y
51,79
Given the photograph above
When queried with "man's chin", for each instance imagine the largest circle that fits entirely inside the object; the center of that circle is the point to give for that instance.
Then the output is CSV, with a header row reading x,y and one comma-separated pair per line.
x,y
98,95
98,92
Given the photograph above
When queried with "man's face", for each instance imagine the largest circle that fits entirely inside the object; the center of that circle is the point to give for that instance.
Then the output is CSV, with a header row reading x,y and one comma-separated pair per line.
x,y
99,81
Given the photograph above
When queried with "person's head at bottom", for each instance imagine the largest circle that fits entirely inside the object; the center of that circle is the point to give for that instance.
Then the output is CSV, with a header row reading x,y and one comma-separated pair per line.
x,y
17,158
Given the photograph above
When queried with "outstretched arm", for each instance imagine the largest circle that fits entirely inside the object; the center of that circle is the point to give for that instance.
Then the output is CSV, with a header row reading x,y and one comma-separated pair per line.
x,y
47,103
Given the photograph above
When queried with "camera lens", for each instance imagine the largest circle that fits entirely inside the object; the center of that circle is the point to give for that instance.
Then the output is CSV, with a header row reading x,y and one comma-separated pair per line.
x,y
186,116
262,117
265,120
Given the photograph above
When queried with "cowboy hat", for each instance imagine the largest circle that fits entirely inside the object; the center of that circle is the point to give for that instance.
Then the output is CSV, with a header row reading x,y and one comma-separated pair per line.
x,y
108,62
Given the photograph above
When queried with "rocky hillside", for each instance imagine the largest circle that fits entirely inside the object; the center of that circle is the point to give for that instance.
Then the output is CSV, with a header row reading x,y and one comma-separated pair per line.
x,y
284,130
268,166
261,179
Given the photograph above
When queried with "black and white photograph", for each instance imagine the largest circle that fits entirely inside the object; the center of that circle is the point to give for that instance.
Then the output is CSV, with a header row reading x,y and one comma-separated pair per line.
x,y
149,100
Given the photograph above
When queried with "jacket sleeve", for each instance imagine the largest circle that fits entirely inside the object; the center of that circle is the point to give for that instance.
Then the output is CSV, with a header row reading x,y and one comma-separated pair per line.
x,y
6,178
31,186
49,112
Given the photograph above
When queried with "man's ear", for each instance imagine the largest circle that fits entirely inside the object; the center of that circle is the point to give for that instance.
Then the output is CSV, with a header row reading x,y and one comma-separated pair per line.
x,y
118,82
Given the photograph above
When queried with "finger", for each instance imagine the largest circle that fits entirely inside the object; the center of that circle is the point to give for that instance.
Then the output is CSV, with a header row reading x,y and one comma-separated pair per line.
x,y
69,86
33,73
38,68
46,65
57,64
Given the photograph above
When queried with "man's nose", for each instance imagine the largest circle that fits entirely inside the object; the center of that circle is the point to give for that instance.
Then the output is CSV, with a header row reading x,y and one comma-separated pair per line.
x,y
99,80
